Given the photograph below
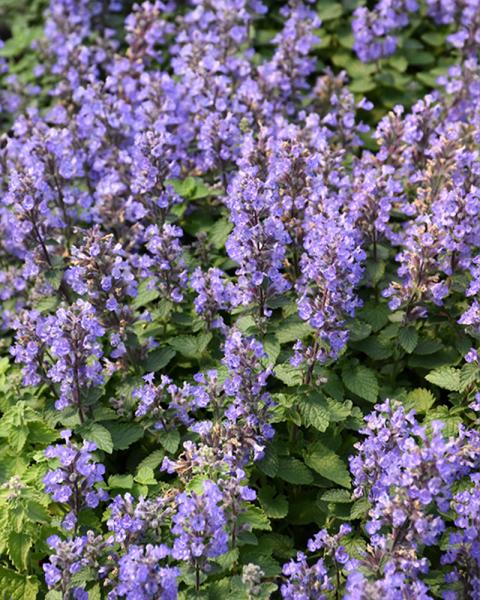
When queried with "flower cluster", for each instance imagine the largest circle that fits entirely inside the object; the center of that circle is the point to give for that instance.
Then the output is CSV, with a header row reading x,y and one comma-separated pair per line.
x,y
374,30
74,481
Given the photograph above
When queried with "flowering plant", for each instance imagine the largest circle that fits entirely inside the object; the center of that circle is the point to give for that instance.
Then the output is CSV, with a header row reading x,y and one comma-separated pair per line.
x,y
239,278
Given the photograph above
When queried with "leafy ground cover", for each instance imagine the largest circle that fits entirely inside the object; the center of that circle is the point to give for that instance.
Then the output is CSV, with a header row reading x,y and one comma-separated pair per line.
x,y
239,283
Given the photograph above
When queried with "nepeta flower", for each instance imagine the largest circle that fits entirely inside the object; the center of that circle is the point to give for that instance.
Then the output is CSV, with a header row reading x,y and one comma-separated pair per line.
x,y
199,527
74,481
141,574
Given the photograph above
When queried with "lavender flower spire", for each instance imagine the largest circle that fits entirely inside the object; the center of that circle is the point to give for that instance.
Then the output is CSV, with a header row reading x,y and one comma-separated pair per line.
x,y
74,481
64,349
199,527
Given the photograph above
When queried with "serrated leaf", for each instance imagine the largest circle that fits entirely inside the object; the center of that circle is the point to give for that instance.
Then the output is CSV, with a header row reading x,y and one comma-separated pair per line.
x,y
275,506
153,460
294,471
18,548
361,381
15,586
338,411
183,187
468,375
158,359
375,348
313,409
47,304
420,399
292,330
98,434
218,233
41,433
255,518
427,346
360,509
189,345
447,378
17,437
288,374
170,440
337,496
36,512
146,293
328,464
272,348
145,476
123,482
451,422
124,434
359,330
376,315
408,338
269,463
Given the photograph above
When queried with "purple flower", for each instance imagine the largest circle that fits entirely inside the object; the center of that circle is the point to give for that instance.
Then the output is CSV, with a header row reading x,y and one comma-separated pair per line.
x,y
74,481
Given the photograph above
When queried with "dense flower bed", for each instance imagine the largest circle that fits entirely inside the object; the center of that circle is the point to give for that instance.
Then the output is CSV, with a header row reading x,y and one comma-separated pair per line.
x,y
240,310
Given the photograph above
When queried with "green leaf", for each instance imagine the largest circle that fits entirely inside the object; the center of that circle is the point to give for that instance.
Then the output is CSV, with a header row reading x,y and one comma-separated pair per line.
x,y
328,464
124,434
375,314
145,476
361,381
123,482
219,232
158,359
170,440
17,437
272,348
36,512
41,433
451,421
427,346
420,399
375,348
329,10
270,462
146,293
359,330
18,547
292,330
408,338
47,304
255,518
362,85
153,460
468,375
434,38
447,378
15,586
398,62
419,58
337,496
275,506
191,346
314,412
98,434
294,471
288,374
360,509
184,188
